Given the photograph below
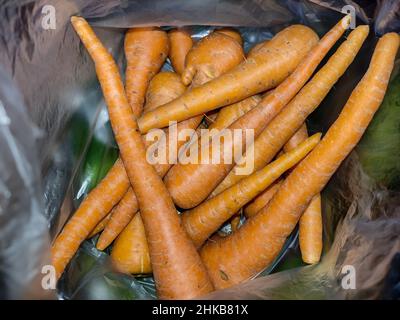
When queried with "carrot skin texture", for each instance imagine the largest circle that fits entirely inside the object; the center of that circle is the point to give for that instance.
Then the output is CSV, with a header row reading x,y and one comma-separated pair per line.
x,y
145,50
200,62
177,268
202,221
310,224
91,211
277,220
261,200
190,184
130,253
163,87
249,78
231,32
290,119
310,231
180,44
101,225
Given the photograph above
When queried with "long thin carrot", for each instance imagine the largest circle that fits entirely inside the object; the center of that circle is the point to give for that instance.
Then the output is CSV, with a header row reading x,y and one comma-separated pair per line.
x,y
130,253
177,268
261,200
122,214
92,210
190,184
202,221
310,224
290,119
232,260
145,50
101,225
180,44
249,78
229,114
164,87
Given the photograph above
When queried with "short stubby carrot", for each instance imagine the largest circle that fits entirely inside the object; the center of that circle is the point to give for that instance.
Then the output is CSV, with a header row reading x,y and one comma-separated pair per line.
x,y
145,50
189,184
210,57
177,268
231,32
290,119
253,51
164,87
252,76
180,43
232,260
202,221
130,252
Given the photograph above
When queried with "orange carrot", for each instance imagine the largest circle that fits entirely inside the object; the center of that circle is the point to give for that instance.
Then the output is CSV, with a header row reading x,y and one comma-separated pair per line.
x,y
200,63
310,224
180,44
130,253
268,230
231,32
249,78
145,50
202,221
254,50
92,210
290,119
122,214
177,268
101,225
261,200
229,114
190,184
164,87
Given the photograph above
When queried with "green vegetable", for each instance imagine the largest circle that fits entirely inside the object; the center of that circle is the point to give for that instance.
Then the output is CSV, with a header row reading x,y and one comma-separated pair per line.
x,y
379,150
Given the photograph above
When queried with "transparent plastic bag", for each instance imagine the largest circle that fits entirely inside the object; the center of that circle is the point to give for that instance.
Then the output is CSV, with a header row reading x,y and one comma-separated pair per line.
x,y
60,95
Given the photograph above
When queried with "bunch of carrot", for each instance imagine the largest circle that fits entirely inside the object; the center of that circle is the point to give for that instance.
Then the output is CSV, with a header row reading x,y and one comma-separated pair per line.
x,y
271,92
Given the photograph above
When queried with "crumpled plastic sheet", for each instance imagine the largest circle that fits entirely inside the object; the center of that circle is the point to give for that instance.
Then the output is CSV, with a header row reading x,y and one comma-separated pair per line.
x,y
48,78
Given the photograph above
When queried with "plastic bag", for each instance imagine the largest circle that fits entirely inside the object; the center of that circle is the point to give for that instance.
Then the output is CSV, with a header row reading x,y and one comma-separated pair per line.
x,y
60,94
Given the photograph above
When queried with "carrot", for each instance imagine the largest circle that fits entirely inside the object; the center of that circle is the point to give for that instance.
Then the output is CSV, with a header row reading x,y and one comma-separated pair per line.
x,y
130,253
145,50
180,44
253,51
229,114
231,32
255,75
268,230
92,210
164,87
200,63
202,221
177,268
159,91
100,226
122,214
190,184
261,200
290,119
310,224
